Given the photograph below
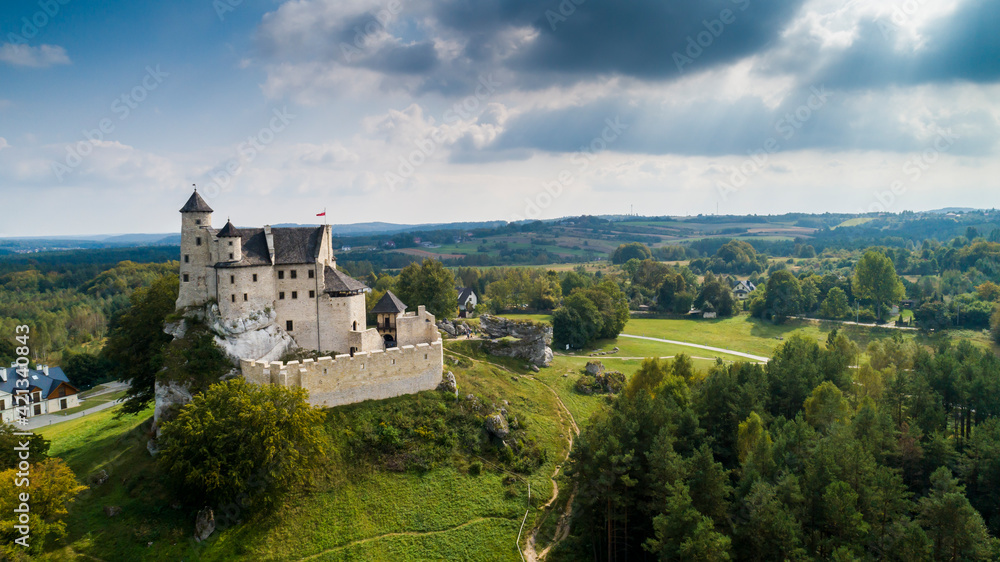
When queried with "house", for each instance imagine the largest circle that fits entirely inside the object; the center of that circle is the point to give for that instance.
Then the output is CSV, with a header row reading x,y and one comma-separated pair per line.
x,y
49,390
743,289
466,300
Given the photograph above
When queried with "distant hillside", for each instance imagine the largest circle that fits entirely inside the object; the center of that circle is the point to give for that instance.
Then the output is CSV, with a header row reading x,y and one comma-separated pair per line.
x,y
371,228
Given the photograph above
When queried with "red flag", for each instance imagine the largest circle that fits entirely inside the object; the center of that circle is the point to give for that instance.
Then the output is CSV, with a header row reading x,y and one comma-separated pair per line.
x,y
323,214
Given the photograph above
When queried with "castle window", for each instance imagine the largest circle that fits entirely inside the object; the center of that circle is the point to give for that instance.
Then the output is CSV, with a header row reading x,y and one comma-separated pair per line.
x,y
233,297
355,325
288,325
312,294
294,274
230,255
362,366
187,258
244,297
281,274
197,241
295,294
197,221
232,279
185,277
281,296
425,356
312,274
230,242
254,277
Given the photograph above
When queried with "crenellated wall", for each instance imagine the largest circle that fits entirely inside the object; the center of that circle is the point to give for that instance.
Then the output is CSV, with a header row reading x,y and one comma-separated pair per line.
x,y
375,375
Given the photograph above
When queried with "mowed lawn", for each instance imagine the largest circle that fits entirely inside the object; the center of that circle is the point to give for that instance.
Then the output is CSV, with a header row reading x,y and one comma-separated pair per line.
x,y
743,334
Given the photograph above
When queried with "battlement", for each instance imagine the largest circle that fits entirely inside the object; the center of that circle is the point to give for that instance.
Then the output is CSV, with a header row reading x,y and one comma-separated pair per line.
x,y
346,379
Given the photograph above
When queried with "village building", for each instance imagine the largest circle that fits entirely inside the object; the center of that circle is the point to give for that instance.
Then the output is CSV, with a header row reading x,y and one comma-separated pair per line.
x,y
743,289
49,391
467,301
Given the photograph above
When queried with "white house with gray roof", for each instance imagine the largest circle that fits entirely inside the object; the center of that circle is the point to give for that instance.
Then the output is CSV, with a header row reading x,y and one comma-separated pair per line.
x,y
49,391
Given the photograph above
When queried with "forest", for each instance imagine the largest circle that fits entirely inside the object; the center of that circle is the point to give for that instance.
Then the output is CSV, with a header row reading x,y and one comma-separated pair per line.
x,y
806,458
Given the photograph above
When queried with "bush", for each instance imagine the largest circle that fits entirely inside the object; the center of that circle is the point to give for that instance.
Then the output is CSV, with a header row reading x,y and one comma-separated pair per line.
x,y
241,443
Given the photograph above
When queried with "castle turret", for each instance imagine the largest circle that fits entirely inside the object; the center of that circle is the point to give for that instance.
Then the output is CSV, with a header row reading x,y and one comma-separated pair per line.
x,y
386,310
197,273
230,243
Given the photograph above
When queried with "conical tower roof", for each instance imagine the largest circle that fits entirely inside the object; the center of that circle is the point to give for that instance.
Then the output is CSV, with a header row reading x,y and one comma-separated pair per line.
x,y
196,204
388,304
229,231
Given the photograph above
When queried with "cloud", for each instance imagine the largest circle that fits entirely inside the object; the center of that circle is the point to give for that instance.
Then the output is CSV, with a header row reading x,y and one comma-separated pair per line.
x,y
887,46
3,143
42,56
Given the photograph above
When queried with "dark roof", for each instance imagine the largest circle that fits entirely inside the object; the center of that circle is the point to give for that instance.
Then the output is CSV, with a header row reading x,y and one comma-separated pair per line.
x,y
388,304
196,204
464,293
254,248
296,245
229,231
37,379
339,282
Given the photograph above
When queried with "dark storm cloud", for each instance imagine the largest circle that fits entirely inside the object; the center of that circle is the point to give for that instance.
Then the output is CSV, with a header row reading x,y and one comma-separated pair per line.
x,y
964,46
649,39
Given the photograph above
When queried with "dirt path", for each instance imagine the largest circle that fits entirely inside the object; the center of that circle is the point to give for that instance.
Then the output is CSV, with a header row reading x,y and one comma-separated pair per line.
x,y
562,526
403,534
757,358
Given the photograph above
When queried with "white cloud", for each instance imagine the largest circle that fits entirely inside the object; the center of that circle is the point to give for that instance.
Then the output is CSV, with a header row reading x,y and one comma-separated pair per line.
x,y
3,143
36,57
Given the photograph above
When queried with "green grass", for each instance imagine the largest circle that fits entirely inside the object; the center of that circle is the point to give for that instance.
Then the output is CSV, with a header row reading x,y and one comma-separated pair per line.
x,y
355,512
92,402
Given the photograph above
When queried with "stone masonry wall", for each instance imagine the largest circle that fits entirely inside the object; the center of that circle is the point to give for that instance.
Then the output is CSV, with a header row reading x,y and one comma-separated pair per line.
x,y
376,375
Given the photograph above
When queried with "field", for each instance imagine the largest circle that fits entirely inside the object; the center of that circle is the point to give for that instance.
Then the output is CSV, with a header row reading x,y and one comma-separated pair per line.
x,y
443,513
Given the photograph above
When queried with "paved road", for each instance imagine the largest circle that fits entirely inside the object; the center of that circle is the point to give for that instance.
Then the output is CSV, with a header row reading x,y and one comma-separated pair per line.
x,y
49,419
698,346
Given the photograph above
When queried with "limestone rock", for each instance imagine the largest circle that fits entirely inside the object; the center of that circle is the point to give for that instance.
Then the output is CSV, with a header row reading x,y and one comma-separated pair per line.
x,y
594,367
152,448
532,339
204,524
447,327
99,477
496,424
449,384
170,397
112,510
176,329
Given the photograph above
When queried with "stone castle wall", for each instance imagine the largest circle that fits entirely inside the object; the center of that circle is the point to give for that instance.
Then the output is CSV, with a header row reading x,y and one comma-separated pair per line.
x,y
375,375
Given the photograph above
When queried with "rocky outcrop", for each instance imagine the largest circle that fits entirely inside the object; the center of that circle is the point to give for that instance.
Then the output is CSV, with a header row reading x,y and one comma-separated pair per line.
x,y
530,342
204,524
454,329
112,510
170,396
255,337
594,367
449,384
497,425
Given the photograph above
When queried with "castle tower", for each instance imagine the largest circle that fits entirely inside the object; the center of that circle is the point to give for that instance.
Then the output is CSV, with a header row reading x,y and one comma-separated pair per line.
x,y
230,243
386,310
197,273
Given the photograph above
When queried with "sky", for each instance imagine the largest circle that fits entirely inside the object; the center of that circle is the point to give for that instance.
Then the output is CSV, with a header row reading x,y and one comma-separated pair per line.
x,y
412,111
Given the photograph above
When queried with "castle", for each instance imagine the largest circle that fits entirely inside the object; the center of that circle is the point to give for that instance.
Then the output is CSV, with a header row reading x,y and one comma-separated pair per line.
x,y
291,273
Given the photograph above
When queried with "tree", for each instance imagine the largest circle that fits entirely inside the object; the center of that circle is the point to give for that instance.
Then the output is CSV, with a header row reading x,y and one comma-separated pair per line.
x,y
629,251
136,343
684,533
835,306
38,446
995,325
826,406
954,526
875,280
783,297
241,443
577,322
428,284
87,370
50,488
717,293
